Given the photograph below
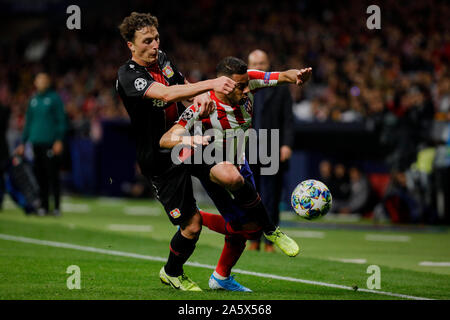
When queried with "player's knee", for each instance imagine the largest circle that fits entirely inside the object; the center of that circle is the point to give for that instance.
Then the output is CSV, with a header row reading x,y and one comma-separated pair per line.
x,y
227,175
234,181
191,229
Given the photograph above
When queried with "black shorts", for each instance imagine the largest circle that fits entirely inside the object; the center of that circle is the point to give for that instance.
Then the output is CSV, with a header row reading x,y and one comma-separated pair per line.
x,y
173,188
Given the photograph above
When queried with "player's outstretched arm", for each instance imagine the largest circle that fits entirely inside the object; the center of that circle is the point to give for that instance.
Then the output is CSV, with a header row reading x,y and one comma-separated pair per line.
x,y
186,91
202,102
295,76
177,135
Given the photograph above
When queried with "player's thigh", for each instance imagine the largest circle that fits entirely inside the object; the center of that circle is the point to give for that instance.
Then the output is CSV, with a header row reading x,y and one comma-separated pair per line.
x,y
173,188
226,174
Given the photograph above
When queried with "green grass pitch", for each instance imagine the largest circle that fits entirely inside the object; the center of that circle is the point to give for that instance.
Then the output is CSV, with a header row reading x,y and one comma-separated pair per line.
x,y
131,240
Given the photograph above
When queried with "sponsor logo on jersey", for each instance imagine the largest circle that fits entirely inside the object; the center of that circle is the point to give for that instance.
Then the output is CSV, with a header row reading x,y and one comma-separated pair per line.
x,y
140,84
175,213
158,103
168,72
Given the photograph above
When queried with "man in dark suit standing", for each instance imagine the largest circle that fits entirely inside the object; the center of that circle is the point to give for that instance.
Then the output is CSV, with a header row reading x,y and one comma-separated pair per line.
x,y
272,110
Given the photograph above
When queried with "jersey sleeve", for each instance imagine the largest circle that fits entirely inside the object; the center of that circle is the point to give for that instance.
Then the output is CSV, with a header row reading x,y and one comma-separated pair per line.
x,y
179,77
260,79
134,84
188,117
172,70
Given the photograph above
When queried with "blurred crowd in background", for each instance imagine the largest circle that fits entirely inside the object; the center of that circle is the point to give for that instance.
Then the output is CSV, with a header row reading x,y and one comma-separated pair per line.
x,y
396,79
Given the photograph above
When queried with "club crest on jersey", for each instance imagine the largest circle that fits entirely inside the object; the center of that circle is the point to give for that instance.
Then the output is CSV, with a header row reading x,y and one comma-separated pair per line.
x,y
175,213
168,72
140,84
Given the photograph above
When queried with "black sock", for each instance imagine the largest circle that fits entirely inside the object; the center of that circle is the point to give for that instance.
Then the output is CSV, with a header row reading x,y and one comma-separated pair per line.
x,y
181,249
249,199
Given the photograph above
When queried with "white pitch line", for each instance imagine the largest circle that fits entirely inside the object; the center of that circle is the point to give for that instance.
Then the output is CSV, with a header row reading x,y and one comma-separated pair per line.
x,y
195,264
387,238
434,264
357,261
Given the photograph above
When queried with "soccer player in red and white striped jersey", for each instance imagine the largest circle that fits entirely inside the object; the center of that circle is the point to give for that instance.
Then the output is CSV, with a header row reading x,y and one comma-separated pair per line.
x,y
229,115
234,111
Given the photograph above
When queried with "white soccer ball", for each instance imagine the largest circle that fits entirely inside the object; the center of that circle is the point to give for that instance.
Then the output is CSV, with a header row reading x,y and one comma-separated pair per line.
x,y
311,199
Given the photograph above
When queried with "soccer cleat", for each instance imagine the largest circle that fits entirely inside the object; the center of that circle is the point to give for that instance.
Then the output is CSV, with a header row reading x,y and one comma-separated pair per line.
x,y
282,241
182,282
228,284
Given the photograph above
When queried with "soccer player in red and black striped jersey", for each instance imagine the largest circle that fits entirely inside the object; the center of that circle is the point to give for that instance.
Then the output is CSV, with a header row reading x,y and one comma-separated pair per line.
x,y
233,111
151,89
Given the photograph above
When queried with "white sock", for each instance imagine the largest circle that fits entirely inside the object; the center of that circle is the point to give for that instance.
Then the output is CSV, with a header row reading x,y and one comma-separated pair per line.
x,y
218,276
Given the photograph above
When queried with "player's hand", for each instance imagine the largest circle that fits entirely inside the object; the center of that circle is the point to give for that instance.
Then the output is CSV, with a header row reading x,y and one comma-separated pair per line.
x,y
223,85
285,153
200,140
57,148
195,141
20,150
204,103
303,75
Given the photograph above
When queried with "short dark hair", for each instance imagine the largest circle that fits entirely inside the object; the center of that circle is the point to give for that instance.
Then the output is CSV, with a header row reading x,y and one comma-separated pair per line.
x,y
136,21
231,65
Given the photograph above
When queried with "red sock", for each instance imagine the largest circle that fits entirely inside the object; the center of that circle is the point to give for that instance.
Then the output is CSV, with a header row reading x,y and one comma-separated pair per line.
x,y
214,222
232,250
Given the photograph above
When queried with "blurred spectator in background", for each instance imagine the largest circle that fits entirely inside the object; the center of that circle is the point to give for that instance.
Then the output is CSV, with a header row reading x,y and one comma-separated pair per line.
x,y
4,152
359,196
408,123
45,126
272,109
340,187
326,174
442,97
398,205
